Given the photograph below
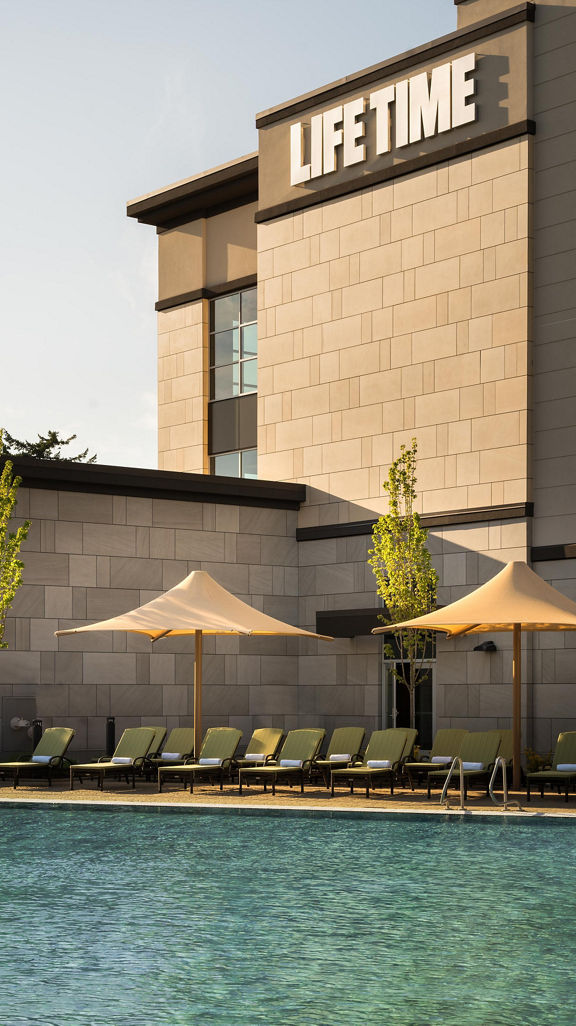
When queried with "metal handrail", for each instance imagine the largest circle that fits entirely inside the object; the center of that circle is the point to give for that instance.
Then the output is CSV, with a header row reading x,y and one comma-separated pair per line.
x,y
504,805
444,800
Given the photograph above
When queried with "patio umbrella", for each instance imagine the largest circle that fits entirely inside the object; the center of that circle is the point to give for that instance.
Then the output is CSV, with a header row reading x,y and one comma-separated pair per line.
x,y
198,606
516,600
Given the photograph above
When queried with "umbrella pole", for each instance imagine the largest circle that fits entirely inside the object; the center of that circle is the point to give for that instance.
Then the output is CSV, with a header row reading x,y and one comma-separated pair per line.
x,y
517,706
197,693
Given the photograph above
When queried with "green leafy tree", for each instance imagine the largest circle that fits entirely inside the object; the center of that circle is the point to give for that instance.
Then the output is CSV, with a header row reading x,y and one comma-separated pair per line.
x,y
10,541
48,447
405,578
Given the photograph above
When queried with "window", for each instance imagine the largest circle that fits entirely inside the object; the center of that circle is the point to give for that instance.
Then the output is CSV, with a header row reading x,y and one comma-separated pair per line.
x,y
233,345
235,464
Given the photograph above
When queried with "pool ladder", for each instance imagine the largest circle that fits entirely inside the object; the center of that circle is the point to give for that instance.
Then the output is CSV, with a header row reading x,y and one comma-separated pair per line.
x,y
500,763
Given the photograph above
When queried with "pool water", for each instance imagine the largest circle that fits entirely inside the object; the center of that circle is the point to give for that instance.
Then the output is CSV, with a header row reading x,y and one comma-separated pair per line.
x,y
112,918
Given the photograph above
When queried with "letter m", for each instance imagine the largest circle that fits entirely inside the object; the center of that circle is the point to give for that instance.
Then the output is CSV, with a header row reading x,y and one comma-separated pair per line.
x,y
430,106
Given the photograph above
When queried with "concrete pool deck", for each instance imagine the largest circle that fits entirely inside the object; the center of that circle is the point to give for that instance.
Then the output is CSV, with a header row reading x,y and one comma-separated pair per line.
x,y
315,799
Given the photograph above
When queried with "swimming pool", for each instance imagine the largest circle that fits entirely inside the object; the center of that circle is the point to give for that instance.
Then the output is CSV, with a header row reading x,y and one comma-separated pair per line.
x,y
111,918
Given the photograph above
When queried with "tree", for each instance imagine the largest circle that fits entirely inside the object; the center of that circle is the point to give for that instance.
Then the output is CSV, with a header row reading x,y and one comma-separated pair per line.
x,y
48,447
10,541
406,579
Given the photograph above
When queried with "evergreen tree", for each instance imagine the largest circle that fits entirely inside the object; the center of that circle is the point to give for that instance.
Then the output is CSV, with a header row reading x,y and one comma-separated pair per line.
x,y
48,447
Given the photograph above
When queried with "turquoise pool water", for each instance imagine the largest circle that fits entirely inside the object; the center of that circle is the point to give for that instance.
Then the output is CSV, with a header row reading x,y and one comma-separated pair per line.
x,y
112,918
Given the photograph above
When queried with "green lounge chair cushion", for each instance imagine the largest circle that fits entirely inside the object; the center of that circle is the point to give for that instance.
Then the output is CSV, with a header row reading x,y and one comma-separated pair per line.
x,y
300,746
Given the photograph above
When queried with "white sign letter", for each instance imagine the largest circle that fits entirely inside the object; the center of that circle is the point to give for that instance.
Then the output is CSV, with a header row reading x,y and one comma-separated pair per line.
x,y
380,102
430,107
316,145
299,172
463,113
332,137
354,152
402,113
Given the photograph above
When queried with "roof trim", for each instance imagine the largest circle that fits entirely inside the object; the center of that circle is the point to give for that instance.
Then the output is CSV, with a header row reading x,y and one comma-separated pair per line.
x,y
222,188
450,518
59,475
418,55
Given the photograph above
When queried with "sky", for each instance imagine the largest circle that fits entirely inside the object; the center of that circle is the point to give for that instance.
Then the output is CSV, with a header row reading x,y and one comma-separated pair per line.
x,y
103,101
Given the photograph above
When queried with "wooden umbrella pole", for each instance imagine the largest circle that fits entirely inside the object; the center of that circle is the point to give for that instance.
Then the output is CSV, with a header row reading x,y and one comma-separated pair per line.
x,y
517,706
197,693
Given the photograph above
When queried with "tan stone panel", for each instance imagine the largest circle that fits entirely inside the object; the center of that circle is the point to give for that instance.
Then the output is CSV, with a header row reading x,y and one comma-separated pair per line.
x,y
412,380
276,466
109,540
382,325
181,259
415,316
400,351
495,296
457,239
480,332
511,394
460,173
493,163
322,308
494,432
493,228
512,258
310,282
339,273
467,468
435,213
412,252
354,482
480,199
362,297
434,344
441,276
460,436
444,499
415,188
275,233
492,364
294,433
437,408
362,235
330,245
231,245
363,421
458,371
471,268
510,190
380,387
365,359
384,260
507,464
340,212
383,198
291,316
401,224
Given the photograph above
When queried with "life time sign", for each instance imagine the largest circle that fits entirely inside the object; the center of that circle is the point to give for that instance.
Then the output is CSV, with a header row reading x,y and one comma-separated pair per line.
x,y
414,109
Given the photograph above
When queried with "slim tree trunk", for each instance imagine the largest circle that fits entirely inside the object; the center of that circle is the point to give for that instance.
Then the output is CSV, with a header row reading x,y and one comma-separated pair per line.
x,y
412,691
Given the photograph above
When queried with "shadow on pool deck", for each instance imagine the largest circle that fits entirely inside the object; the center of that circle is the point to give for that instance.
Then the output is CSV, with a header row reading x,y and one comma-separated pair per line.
x,y
286,798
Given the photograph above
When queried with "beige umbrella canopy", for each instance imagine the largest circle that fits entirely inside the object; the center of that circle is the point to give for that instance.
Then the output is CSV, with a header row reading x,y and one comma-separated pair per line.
x,y
198,606
517,600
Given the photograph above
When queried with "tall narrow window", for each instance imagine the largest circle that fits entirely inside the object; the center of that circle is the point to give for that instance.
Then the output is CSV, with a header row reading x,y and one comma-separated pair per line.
x,y
233,345
233,385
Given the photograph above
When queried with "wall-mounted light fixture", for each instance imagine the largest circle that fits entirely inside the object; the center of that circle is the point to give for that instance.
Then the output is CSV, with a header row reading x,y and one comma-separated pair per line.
x,y
486,646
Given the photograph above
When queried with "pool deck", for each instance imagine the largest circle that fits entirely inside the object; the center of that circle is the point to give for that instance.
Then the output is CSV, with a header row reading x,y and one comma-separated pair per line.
x,y
314,800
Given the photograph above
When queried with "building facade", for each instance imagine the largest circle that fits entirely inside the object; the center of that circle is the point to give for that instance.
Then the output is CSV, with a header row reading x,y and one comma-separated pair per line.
x,y
397,260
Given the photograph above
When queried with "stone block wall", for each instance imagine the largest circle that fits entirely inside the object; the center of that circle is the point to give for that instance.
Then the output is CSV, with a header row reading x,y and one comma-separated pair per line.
x,y
90,556
401,310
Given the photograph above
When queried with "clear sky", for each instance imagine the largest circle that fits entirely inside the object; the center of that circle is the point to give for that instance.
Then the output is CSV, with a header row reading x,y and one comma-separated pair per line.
x,y
102,101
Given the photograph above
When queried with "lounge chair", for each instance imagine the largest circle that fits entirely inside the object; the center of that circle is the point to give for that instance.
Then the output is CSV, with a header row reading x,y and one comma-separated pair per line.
x,y
262,747
216,758
343,750
48,755
156,746
411,735
478,753
179,748
293,762
562,773
128,758
381,762
445,746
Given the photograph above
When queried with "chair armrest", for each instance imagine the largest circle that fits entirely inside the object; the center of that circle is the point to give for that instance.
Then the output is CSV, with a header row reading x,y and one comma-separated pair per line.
x,y
105,758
